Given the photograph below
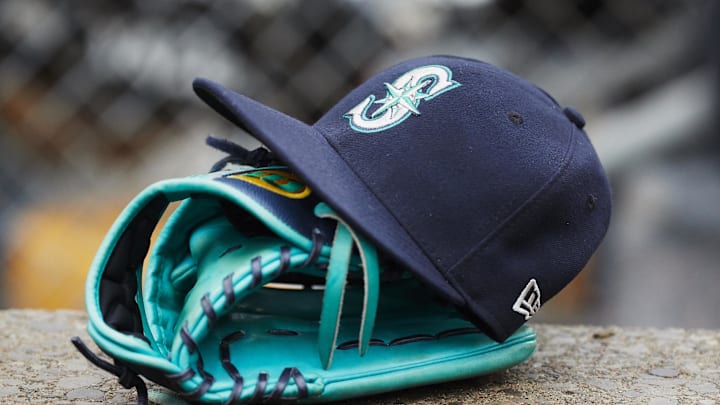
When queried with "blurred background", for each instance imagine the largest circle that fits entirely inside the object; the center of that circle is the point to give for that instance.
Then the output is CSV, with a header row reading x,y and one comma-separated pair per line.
x,y
96,103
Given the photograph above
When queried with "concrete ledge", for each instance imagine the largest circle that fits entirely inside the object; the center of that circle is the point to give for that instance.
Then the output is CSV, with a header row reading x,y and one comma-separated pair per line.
x,y
574,364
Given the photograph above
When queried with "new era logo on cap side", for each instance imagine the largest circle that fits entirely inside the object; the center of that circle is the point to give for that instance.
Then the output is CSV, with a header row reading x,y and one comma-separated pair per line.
x,y
528,302
402,98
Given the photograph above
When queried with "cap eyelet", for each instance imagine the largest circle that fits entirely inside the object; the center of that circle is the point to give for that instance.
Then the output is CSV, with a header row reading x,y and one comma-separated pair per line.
x,y
515,117
591,202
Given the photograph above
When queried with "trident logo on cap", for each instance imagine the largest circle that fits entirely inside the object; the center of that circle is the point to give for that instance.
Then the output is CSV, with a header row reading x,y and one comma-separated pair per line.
x,y
402,98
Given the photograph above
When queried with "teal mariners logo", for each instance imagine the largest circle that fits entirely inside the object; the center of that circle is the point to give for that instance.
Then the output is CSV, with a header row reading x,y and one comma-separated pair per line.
x,y
402,98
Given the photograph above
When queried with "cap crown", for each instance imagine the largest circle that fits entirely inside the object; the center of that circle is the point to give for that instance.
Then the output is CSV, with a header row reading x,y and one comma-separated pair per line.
x,y
494,181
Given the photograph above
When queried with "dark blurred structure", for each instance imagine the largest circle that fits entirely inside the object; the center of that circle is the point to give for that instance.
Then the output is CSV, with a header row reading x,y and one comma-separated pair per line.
x,y
95,103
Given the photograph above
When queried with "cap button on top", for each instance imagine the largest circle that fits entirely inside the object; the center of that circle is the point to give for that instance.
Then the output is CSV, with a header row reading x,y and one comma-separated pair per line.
x,y
574,116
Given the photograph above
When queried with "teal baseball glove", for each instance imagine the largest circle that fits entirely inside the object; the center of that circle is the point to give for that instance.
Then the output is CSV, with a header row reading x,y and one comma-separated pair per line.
x,y
254,290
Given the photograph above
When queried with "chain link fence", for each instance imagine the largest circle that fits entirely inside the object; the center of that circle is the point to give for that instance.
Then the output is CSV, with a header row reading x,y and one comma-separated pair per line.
x,y
95,97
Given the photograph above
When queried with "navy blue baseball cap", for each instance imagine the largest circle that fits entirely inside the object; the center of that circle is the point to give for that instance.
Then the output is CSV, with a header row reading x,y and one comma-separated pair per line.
x,y
474,179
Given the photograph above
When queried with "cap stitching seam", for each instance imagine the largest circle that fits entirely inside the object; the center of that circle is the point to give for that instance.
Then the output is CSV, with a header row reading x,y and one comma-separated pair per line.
x,y
421,242
508,223
567,158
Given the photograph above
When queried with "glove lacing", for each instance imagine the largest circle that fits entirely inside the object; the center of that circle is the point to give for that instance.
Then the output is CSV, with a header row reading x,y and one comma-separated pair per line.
x,y
238,155
126,377
337,272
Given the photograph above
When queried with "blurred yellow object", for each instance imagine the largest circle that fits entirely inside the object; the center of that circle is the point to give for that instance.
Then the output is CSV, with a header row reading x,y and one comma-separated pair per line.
x,y
50,249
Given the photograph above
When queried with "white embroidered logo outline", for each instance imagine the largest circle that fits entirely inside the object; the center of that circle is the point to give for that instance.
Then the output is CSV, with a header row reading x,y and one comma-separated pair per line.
x,y
528,302
402,98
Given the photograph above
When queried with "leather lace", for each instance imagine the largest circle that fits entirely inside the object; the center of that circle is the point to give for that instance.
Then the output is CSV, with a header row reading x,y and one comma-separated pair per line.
x,y
126,377
259,157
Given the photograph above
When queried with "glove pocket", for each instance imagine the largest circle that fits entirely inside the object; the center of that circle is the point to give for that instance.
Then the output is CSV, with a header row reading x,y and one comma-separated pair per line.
x,y
227,335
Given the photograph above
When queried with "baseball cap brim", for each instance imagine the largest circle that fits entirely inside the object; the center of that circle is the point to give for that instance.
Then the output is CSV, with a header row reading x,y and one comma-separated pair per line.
x,y
308,153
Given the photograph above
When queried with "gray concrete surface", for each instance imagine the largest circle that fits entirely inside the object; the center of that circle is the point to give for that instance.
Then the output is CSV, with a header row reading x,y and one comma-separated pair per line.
x,y
573,364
